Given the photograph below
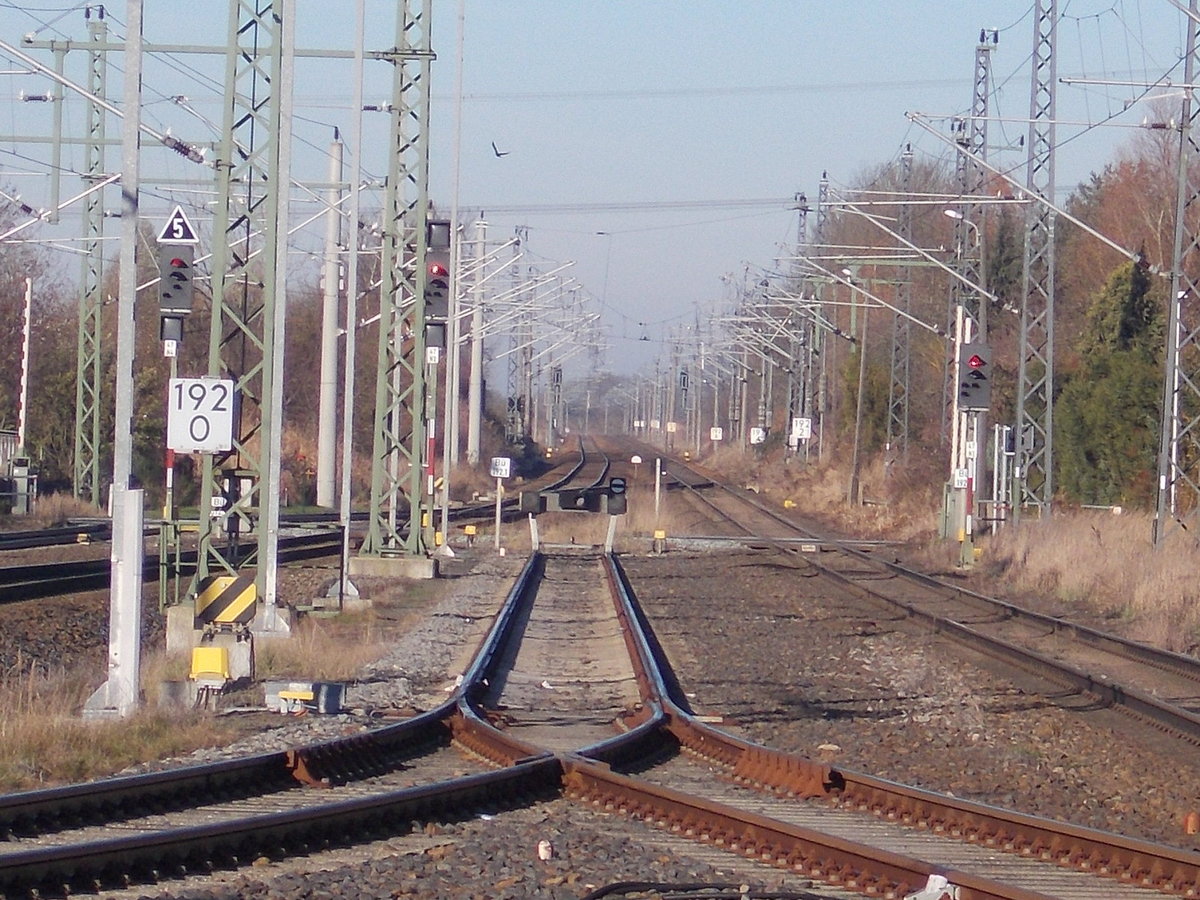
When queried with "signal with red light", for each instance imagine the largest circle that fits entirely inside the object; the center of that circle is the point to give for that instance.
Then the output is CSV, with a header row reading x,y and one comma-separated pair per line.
x,y
437,271
176,266
974,377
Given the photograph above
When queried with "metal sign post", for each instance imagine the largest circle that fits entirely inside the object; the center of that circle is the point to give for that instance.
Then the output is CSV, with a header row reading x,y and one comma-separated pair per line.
x,y
657,488
501,469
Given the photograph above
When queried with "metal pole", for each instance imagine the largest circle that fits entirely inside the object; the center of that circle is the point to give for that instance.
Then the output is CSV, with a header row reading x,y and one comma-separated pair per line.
x,y
327,405
345,586
475,389
499,488
23,414
657,488
272,419
855,497
119,694
451,452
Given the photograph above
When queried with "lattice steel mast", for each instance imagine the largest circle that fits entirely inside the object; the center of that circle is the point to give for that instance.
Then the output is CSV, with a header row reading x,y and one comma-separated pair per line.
x,y
820,369
86,477
1033,482
970,175
799,343
972,183
401,401
250,230
1179,448
515,431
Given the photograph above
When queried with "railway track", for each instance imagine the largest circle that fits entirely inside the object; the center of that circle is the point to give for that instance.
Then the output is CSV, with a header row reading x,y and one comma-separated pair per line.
x,y
40,580
1156,686
604,725
584,467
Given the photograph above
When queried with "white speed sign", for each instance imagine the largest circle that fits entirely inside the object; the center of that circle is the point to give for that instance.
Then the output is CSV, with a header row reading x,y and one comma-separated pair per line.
x,y
199,415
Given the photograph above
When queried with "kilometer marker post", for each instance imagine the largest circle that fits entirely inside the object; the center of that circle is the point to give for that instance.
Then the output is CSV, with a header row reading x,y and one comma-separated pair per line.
x,y
501,468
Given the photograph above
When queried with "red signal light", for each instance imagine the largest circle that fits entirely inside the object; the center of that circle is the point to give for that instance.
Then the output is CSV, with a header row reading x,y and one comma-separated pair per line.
x,y
438,270
179,263
976,361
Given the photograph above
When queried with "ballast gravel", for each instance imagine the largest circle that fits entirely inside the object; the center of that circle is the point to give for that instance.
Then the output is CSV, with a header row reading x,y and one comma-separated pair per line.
x,y
483,859
786,663
805,669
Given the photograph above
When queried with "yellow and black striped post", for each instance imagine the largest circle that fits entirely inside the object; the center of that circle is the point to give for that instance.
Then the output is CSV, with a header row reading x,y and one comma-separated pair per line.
x,y
225,600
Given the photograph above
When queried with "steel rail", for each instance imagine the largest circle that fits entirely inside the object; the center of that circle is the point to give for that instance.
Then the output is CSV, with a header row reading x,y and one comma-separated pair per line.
x,y
342,760
325,763
1163,715
31,582
206,847
335,761
52,537
588,775
530,771
1115,856
1177,663
808,853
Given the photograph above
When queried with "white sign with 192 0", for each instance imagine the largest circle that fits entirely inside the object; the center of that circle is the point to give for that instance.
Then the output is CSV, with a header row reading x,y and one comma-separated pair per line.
x,y
200,415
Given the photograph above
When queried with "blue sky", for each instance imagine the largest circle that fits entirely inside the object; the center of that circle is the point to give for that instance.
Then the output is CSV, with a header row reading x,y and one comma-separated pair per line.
x,y
668,104
698,100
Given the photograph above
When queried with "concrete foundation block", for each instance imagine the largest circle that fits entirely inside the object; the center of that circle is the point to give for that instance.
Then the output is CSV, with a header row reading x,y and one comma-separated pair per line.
x,y
416,567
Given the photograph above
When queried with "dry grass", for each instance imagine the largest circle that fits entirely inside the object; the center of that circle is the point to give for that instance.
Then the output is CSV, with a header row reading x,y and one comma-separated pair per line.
x,y
43,740
322,649
898,502
55,509
1106,564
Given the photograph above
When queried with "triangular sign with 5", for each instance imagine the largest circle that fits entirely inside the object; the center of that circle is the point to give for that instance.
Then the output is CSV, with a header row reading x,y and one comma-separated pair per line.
x,y
178,229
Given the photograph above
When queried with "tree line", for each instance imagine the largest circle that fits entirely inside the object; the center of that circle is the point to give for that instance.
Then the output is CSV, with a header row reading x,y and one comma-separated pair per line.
x,y
1110,320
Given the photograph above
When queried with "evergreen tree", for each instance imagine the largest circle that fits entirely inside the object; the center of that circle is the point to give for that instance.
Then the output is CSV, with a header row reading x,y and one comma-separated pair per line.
x,y
1005,258
1107,416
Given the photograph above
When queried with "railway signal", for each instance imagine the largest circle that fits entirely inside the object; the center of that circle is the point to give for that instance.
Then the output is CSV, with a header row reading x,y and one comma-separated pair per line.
x,y
974,376
176,267
176,270
618,498
437,271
